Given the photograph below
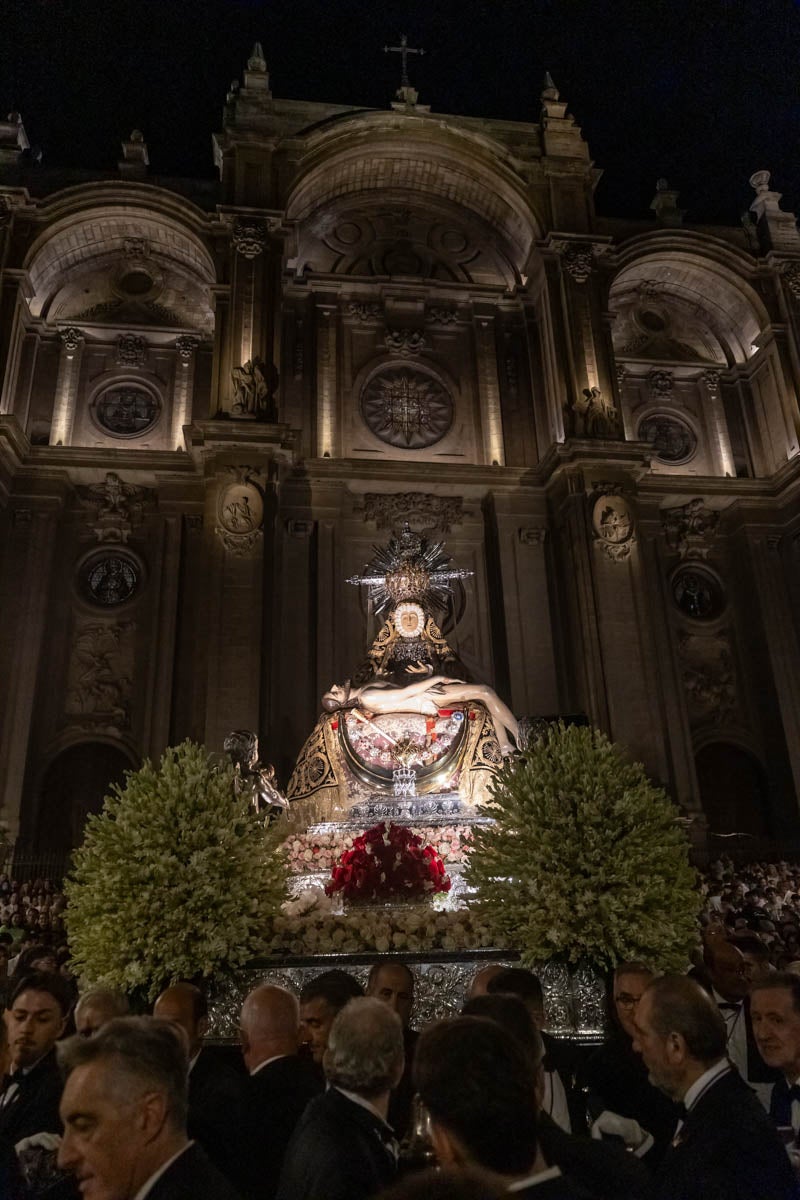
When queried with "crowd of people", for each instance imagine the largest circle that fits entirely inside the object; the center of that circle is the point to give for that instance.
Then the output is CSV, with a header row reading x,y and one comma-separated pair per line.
x,y
334,1095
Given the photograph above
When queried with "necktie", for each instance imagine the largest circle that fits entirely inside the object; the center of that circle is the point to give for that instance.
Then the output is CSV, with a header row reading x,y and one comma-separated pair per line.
x,y
780,1105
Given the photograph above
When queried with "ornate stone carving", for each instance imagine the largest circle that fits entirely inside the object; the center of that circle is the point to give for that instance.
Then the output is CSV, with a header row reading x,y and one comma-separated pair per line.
x,y
651,288
136,247
254,386
613,524
622,374
711,379
186,345
592,416
249,238
405,342
578,262
363,310
422,510
660,384
698,593
125,410
672,439
131,350
709,676
240,511
791,274
117,507
100,675
406,407
533,535
71,339
437,315
690,529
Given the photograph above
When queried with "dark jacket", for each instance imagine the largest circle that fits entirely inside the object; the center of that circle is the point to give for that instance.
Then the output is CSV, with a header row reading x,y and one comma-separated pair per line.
x,y
218,1110
403,1094
614,1077
33,1100
192,1177
607,1171
726,1149
277,1097
338,1152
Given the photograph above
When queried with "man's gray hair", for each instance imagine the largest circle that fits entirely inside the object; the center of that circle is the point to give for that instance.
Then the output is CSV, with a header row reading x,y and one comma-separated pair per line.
x,y
365,1048
139,1051
114,1003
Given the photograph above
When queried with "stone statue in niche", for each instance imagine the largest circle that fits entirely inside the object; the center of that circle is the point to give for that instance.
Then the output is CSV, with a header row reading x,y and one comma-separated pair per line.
x,y
254,386
591,416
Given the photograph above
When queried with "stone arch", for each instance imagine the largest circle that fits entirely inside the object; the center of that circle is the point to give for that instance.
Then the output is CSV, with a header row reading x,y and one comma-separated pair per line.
x,y
461,186
688,326
733,787
73,786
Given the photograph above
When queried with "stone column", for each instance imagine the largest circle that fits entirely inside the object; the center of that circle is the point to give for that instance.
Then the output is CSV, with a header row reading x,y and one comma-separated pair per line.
x,y
717,426
14,287
32,547
183,388
328,439
69,370
221,362
489,388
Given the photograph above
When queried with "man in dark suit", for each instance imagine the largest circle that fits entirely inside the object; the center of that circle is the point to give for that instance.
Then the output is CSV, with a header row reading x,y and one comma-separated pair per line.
x,y
124,1115
217,1083
729,978
480,1089
280,1084
393,983
35,1019
726,1147
775,1010
343,1148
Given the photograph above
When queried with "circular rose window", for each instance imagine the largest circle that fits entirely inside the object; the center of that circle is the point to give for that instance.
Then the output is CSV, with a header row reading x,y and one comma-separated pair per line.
x,y
126,410
406,408
697,593
672,439
109,579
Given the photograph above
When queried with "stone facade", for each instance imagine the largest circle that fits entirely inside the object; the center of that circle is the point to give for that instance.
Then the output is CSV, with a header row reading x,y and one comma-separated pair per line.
x,y
214,399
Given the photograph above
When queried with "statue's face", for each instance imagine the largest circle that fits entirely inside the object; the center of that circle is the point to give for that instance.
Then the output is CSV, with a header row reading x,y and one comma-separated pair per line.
x,y
409,620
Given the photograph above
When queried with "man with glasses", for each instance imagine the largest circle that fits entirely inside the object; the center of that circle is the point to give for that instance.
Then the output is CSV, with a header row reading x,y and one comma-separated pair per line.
x,y
615,1078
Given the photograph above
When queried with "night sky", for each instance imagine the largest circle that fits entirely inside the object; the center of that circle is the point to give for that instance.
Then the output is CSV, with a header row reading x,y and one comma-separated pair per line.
x,y
702,93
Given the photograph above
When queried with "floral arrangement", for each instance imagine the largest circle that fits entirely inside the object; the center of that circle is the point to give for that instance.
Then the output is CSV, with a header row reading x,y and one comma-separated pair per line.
x,y
308,926
388,864
175,878
586,861
317,852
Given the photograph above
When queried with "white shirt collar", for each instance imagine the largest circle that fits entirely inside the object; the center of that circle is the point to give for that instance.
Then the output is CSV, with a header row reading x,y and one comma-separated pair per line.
x,y
704,1082
147,1187
266,1063
533,1180
194,1060
364,1104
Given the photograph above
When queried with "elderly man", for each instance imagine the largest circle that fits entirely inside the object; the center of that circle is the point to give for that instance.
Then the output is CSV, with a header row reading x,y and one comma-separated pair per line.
x,y
280,1086
96,1008
124,1115
726,1147
775,1012
393,983
217,1106
480,1087
35,1019
343,1148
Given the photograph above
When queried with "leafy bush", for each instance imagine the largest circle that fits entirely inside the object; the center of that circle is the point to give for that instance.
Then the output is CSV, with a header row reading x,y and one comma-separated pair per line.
x,y
586,861
176,878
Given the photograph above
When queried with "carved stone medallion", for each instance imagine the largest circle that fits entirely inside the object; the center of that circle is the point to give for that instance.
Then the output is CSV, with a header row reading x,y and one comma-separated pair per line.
x,y
613,526
240,516
406,407
672,439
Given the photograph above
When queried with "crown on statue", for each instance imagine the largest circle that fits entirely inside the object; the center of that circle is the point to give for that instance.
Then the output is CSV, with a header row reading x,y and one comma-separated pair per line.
x,y
404,781
407,582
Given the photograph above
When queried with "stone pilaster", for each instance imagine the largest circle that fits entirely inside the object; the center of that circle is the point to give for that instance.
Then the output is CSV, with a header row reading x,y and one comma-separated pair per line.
x,y
69,370
489,388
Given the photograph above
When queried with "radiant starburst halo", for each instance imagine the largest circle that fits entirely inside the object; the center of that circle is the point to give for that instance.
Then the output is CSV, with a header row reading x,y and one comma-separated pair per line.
x,y
412,568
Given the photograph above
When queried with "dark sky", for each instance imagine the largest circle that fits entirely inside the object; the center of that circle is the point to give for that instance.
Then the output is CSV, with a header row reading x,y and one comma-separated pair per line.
x,y
702,93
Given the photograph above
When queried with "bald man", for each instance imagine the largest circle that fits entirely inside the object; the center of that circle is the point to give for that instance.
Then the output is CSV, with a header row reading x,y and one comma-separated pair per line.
x,y
280,1086
480,982
217,1083
729,981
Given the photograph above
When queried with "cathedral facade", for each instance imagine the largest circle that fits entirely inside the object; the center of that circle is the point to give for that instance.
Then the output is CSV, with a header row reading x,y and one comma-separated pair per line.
x,y
217,397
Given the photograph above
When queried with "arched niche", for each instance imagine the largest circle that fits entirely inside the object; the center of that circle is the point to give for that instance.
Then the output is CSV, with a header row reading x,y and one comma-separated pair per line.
x,y
733,790
73,787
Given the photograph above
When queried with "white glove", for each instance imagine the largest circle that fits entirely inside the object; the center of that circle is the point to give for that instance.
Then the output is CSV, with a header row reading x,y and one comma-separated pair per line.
x,y
44,1141
635,1138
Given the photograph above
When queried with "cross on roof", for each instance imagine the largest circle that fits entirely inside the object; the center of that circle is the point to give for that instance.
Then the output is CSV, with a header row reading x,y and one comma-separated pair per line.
x,y
404,50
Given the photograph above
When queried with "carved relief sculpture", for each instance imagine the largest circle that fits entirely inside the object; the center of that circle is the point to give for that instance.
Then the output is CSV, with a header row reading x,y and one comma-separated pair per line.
x,y
612,523
100,675
405,342
131,350
240,512
709,677
249,238
691,528
117,507
406,408
421,510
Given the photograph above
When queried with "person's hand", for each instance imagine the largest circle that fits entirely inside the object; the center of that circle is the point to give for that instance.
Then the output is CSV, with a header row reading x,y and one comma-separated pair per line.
x,y
611,1124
